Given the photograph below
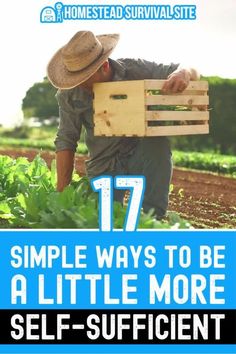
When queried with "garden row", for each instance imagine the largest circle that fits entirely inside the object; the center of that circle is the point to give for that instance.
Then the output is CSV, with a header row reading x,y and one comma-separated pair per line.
x,y
223,164
212,162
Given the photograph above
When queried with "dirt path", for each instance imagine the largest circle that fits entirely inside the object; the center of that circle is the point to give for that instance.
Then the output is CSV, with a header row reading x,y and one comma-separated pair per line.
x,y
207,200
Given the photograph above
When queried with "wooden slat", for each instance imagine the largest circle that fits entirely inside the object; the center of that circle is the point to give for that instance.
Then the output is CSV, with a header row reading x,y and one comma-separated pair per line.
x,y
177,130
177,115
122,135
158,84
198,85
176,100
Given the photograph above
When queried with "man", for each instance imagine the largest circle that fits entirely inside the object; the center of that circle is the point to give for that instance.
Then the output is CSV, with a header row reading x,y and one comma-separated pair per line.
x,y
83,61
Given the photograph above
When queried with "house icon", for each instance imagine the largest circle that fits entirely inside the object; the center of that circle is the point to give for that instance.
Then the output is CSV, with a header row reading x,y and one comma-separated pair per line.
x,y
48,15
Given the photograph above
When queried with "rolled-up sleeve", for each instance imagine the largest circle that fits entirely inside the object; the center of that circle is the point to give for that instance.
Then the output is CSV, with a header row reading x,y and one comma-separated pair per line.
x,y
70,125
143,69
162,71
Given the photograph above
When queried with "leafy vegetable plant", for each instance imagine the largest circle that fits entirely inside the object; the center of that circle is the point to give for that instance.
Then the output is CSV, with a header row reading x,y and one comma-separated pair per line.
x,y
28,199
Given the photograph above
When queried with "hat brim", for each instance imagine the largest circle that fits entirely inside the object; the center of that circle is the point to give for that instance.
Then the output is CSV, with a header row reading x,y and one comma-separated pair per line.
x,y
61,78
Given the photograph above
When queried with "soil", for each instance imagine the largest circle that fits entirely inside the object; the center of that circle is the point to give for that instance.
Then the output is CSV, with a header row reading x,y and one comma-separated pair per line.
x,y
206,200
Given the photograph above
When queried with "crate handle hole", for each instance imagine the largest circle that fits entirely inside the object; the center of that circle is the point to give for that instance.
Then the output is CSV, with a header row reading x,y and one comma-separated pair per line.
x,y
119,97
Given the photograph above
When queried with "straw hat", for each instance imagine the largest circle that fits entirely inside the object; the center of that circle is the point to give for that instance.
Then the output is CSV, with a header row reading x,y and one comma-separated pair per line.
x,y
80,58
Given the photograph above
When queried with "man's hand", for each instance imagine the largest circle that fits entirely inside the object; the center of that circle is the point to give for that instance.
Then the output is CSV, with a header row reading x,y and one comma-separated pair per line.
x,y
65,165
179,80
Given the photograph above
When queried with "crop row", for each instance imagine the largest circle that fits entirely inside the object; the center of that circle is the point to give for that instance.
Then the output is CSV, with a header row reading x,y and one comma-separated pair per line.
x,y
28,199
213,162
46,144
206,162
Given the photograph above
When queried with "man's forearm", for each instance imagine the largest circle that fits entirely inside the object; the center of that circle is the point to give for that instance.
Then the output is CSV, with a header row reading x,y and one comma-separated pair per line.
x,y
65,166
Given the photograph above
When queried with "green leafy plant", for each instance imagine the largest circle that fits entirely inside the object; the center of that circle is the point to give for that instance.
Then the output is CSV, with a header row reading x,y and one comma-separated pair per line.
x,y
28,199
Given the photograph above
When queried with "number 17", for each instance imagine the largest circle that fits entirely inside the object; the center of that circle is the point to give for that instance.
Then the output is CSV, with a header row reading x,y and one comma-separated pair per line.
x,y
104,185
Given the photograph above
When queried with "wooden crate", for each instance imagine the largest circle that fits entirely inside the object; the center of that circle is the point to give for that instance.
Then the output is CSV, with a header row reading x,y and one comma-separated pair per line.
x,y
138,108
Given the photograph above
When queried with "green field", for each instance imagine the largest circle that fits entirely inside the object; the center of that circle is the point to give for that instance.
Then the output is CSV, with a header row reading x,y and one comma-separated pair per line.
x,y
43,140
